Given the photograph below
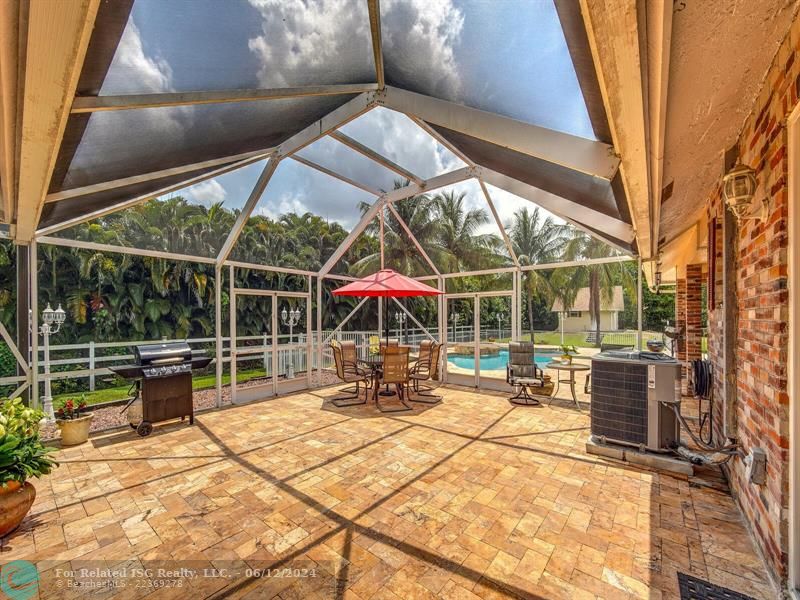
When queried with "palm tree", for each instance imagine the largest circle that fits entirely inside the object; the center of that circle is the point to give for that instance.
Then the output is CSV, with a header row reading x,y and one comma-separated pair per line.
x,y
536,239
400,253
600,278
464,247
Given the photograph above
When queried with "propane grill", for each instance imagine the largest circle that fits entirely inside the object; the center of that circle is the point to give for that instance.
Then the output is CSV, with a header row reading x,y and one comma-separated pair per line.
x,y
163,383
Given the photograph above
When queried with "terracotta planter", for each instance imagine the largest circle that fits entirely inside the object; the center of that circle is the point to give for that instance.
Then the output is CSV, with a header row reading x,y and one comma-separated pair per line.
x,y
15,501
75,431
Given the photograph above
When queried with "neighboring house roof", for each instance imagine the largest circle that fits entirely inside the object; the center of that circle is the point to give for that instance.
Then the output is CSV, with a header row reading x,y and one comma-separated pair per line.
x,y
582,301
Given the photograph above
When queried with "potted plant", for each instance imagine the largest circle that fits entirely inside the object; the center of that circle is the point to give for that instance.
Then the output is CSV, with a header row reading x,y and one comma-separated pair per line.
x,y
22,456
73,421
566,353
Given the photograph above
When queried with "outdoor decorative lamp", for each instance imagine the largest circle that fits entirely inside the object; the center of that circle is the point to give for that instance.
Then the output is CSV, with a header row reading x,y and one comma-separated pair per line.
x,y
51,323
400,317
290,318
739,190
500,317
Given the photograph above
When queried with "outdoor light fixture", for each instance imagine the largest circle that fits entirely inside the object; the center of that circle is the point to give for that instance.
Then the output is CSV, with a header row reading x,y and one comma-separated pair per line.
x,y
290,318
52,321
739,190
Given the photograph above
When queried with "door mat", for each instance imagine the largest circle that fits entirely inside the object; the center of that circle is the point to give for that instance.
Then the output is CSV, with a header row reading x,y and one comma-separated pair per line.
x,y
693,588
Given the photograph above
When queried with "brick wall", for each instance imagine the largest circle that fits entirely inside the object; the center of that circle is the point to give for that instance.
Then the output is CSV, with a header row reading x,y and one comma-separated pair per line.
x,y
688,313
761,285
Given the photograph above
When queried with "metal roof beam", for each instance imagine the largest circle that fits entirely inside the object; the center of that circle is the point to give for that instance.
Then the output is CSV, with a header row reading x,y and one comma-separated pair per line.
x,y
84,245
576,153
145,177
374,7
96,214
58,35
433,183
335,175
247,209
336,118
413,238
366,219
374,156
89,104
506,239
577,214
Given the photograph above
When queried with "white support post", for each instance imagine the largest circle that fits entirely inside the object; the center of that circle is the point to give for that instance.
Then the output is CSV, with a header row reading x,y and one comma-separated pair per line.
x,y
218,349
319,330
412,237
382,216
232,336
366,219
91,366
309,335
413,318
247,209
639,311
275,344
345,320
514,306
500,226
33,270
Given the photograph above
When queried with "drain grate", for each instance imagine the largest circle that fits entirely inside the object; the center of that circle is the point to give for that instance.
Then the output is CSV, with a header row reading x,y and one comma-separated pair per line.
x,y
693,588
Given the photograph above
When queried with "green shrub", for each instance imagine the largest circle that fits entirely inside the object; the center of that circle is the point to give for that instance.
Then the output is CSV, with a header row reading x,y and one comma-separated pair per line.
x,y
22,454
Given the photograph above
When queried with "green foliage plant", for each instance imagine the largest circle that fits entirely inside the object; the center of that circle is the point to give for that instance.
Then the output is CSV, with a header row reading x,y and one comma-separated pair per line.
x,y
22,454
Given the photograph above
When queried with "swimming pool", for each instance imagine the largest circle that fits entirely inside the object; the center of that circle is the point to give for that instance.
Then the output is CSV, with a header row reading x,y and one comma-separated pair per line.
x,y
492,362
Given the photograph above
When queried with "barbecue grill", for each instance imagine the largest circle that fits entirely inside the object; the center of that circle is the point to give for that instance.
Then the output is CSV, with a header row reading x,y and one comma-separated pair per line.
x,y
163,384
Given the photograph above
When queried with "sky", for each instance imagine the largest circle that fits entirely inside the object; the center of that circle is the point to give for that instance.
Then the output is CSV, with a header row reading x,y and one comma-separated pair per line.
x,y
507,56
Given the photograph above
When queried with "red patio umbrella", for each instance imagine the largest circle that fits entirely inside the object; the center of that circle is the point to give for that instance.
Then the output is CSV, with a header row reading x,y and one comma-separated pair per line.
x,y
386,284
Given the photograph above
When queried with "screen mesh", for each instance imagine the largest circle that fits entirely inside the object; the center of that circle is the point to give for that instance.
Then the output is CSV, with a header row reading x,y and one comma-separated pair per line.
x,y
190,45
508,57
123,143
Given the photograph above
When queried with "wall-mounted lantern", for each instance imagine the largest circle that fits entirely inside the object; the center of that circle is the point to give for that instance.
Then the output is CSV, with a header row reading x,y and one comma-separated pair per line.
x,y
739,191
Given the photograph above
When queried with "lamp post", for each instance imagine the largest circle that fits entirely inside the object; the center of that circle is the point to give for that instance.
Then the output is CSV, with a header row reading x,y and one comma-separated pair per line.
x,y
400,317
51,323
499,325
456,317
290,318
564,315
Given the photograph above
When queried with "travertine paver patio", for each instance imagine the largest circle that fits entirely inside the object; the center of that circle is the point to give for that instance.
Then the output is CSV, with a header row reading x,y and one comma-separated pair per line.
x,y
470,498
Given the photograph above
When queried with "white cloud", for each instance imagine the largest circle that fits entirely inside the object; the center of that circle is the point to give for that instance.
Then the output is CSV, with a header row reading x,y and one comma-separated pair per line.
x,y
206,193
395,136
302,42
132,71
423,32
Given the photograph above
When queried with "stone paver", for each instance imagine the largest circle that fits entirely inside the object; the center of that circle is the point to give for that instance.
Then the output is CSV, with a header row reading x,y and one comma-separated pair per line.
x,y
472,498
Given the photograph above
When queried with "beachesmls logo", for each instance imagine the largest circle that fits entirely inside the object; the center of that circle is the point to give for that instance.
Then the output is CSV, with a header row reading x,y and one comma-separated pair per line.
x,y
19,580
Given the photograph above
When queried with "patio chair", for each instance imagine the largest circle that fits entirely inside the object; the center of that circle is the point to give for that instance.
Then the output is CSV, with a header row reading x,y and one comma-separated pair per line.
x,y
395,370
523,373
349,372
374,345
425,369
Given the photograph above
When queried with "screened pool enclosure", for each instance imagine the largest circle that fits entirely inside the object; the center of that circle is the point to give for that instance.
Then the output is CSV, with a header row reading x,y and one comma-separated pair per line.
x,y
349,112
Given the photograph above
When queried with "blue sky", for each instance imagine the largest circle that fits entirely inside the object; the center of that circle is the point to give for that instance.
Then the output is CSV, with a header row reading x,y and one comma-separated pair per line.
x,y
507,56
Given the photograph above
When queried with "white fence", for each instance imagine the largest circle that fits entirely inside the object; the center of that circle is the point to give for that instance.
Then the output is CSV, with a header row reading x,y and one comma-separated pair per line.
x,y
94,358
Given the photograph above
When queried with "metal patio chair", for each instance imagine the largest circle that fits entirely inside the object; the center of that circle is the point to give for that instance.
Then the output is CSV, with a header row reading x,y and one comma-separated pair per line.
x,y
395,370
349,372
523,373
425,369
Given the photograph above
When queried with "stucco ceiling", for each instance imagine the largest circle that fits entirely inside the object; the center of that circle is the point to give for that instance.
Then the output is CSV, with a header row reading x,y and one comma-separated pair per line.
x,y
719,56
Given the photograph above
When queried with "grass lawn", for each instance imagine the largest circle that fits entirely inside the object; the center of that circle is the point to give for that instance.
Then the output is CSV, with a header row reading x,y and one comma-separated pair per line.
x,y
202,382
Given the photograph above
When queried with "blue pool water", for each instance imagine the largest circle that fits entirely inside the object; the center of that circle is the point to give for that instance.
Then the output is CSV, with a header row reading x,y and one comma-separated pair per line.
x,y
492,362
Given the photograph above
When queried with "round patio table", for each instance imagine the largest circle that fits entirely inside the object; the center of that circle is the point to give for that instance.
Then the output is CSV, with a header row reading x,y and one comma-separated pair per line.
x,y
570,369
374,364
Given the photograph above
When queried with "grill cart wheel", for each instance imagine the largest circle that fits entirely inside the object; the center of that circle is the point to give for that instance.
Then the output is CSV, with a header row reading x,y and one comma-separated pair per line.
x,y
145,428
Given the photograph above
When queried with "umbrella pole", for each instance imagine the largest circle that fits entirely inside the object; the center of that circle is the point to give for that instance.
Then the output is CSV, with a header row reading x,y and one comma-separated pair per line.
x,y
386,391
